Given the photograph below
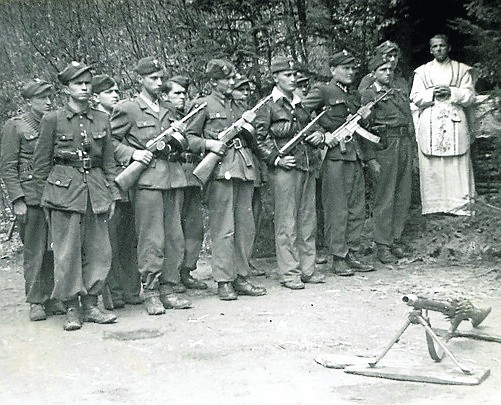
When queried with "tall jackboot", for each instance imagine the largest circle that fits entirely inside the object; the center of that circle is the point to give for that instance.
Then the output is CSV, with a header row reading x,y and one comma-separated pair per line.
x,y
92,313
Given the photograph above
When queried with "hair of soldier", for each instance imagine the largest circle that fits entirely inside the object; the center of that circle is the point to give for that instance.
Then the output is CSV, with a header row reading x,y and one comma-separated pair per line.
x,y
168,86
440,36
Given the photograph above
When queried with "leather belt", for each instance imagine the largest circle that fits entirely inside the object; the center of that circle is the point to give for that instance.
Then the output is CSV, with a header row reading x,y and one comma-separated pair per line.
x,y
85,163
188,157
171,157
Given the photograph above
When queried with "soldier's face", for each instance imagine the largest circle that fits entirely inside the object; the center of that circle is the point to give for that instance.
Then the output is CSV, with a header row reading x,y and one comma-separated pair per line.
x,y
285,80
177,96
344,74
439,48
152,83
242,93
384,74
108,98
80,89
225,86
392,57
41,103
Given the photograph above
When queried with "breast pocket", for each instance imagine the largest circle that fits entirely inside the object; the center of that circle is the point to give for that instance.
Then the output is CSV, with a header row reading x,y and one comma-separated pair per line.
x,y
64,140
147,129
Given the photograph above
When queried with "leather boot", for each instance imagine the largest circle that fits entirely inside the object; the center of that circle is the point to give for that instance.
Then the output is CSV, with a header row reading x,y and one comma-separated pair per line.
x,y
320,259
73,320
152,302
179,288
398,251
37,312
171,300
226,291
254,271
243,287
357,265
384,255
340,267
54,307
314,278
293,285
92,313
189,281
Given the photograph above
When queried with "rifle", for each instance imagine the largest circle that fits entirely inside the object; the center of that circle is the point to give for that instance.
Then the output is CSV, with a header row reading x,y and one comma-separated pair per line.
x,y
345,132
166,142
291,144
205,168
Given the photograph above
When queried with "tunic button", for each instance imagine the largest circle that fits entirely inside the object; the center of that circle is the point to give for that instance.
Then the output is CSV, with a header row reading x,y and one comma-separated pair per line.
x,y
63,137
58,182
30,176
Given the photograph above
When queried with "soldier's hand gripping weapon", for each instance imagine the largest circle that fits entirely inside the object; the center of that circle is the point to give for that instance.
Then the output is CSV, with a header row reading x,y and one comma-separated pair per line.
x,y
165,142
299,137
205,168
345,132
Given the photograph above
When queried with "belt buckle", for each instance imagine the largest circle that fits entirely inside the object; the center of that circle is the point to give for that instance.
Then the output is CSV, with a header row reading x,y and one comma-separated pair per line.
x,y
237,143
87,163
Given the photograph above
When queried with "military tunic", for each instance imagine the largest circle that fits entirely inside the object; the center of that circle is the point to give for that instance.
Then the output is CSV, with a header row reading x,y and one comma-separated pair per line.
x,y
78,197
158,195
391,119
293,190
230,190
20,135
343,184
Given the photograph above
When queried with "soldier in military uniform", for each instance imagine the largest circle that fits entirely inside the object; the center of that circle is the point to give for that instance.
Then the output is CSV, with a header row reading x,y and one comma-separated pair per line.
x,y
391,119
124,280
343,185
74,170
292,177
176,89
158,194
20,135
230,190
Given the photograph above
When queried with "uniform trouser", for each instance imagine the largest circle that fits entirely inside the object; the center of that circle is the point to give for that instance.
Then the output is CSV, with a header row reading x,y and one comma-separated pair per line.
x,y
193,226
38,262
232,227
343,200
160,240
295,222
124,278
82,253
392,197
257,209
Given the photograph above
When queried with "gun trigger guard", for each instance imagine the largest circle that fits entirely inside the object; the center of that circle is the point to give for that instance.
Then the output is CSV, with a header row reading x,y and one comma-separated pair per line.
x,y
348,138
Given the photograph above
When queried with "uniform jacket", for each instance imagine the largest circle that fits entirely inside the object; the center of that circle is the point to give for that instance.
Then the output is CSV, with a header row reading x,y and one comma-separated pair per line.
x,y
67,188
219,114
276,123
133,123
20,135
340,104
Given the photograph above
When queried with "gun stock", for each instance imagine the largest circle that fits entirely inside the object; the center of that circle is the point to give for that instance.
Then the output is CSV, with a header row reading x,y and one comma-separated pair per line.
x,y
12,227
205,168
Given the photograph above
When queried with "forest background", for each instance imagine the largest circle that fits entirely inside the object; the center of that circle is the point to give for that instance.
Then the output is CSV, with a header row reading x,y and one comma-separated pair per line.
x,y
39,37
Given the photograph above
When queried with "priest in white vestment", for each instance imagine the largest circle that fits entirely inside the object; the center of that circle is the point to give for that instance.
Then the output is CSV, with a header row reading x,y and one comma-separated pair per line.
x,y
441,91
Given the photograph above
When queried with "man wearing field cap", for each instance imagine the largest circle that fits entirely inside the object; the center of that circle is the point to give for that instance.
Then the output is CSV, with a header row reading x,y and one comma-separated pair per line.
x,y
292,177
176,92
74,169
20,135
391,120
158,193
229,191
124,281
343,185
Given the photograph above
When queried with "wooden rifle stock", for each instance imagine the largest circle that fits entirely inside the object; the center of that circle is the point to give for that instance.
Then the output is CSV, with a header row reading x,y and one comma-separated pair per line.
x,y
205,168
132,172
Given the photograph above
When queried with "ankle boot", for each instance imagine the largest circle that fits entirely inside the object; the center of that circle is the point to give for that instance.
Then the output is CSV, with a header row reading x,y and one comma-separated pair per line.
x,y
73,319
171,300
189,281
92,313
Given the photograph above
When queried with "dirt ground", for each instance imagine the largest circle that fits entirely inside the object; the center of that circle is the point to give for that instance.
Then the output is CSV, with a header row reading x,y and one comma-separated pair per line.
x,y
250,351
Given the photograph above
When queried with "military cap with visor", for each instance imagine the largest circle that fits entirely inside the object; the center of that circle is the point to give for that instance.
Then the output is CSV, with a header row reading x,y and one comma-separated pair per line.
x,y
35,87
386,47
376,61
281,64
220,69
181,80
341,58
147,66
72,71
102,83
240,81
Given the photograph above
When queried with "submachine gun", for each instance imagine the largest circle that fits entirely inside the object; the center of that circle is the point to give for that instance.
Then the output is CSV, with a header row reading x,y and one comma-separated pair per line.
x,y
205,168
344,133
169,140
456,310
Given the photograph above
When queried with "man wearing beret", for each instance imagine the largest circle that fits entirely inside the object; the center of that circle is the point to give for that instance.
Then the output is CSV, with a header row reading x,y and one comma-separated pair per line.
x,y
292,177
124,281
158,194
391,119
176,91
74,170
230,191
20,135
343,185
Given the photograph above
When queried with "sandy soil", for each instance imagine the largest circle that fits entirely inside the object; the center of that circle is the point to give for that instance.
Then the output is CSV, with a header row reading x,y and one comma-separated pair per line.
x,y
251,351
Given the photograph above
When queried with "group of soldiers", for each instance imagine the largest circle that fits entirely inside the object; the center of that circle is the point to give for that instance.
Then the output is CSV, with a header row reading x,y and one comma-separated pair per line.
x,y
84,236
